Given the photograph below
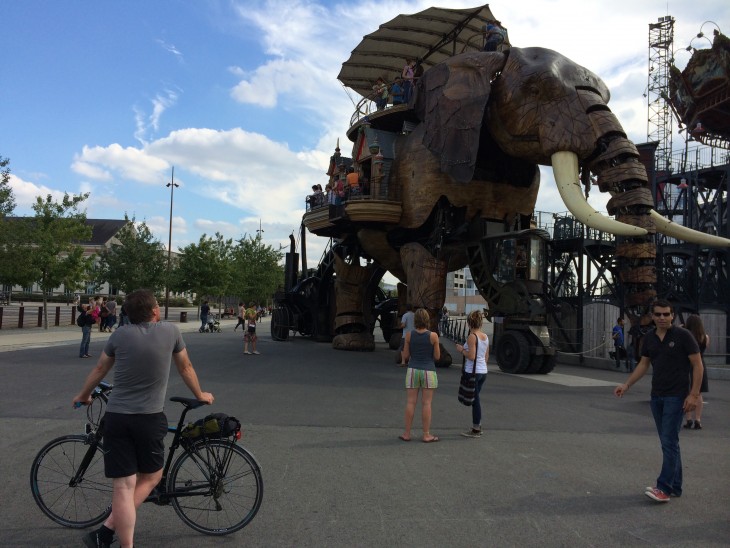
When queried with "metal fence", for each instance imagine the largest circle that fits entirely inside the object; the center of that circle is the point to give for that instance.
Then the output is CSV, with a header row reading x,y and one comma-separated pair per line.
x,y
32,316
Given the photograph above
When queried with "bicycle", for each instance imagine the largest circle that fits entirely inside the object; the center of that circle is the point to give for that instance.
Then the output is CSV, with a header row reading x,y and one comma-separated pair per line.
x,y
214,485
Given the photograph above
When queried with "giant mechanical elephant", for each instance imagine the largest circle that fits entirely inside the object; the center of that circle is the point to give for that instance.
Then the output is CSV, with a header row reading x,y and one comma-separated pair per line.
x,y
470,168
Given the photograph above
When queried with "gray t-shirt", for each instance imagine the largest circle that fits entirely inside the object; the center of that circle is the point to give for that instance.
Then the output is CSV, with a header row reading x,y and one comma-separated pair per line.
x,y
142,356
111,306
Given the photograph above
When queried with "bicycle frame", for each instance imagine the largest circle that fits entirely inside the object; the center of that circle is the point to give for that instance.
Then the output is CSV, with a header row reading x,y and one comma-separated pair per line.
x,y
214,485
160,494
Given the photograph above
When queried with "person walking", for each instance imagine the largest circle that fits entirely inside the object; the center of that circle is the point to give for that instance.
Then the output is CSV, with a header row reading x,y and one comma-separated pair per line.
x,y
204,311
675,389
241,312
695,326
249,336
421,351
618,343
406,324
86,322
135,424
476,352
111,319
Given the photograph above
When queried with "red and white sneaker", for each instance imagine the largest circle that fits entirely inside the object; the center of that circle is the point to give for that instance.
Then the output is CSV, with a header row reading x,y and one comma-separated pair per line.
x,y
656,494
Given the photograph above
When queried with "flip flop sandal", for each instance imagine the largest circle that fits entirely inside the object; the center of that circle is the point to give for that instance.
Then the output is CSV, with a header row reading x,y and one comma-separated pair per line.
x,y
432,440
404,439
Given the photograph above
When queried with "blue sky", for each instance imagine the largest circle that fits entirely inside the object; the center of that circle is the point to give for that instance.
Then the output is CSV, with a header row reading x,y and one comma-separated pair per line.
x,y
242,97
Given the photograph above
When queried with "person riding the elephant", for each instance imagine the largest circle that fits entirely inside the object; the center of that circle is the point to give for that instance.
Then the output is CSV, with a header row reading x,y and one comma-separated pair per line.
x,y
353,181
494,36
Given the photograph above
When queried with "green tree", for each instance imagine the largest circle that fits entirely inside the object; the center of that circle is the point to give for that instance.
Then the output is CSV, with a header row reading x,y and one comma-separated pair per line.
x,y
13,253
205,268
54,255
256,268
136,261
7,199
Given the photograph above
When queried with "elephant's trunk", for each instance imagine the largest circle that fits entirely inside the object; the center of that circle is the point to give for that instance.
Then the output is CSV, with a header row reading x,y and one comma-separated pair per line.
x,y
620,172
631,205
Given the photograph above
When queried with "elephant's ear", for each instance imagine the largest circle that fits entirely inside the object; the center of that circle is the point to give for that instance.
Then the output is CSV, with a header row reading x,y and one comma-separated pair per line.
x,y
450,100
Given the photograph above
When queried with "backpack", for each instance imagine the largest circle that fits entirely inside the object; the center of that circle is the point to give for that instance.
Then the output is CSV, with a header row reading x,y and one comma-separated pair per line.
x,y
81,320
215,425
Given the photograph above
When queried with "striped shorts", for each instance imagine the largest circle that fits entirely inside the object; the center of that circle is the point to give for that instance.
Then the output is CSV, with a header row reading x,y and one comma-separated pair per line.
x,y
419,378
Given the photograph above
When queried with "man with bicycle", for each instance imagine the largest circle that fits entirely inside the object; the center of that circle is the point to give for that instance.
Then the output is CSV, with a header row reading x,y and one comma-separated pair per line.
x,y
134,424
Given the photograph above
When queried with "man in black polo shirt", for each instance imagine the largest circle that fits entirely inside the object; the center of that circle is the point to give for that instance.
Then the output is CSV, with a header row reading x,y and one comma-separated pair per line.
x,y
675,389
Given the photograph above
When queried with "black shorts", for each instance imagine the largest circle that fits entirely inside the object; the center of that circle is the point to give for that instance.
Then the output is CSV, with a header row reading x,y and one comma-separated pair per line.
x,y
133,443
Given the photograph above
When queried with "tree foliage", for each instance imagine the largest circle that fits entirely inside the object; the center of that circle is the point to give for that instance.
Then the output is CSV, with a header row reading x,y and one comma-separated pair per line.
x,y
136,261
54,255
205,268
256,268
7,199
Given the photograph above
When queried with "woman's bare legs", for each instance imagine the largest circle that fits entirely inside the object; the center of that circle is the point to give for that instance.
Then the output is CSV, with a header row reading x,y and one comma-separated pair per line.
x,y
426,413
411,400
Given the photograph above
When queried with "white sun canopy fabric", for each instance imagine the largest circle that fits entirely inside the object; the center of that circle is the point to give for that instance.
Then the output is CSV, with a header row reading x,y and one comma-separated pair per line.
x,y
429,36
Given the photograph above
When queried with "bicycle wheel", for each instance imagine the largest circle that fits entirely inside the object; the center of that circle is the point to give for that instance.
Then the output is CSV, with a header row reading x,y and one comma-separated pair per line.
x,y
216,487
81,503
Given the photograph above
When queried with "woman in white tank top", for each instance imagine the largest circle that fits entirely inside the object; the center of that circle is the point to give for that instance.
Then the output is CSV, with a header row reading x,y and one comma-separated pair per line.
x,y
476,352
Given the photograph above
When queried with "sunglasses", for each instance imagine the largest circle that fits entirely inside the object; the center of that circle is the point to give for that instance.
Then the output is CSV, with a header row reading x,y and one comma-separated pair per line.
x,y
665,314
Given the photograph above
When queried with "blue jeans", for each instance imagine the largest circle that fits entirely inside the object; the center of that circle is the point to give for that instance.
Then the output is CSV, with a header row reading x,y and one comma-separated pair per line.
x,y
203,321
85,340
668,415
476,407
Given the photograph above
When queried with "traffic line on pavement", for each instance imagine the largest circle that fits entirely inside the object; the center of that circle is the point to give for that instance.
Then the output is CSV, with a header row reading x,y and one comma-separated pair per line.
x,y
565,380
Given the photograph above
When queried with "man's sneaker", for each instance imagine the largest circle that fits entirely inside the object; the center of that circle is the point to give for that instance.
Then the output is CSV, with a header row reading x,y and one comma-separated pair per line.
x,y
256,352
93,540
246,352
473,433
673,494
656,494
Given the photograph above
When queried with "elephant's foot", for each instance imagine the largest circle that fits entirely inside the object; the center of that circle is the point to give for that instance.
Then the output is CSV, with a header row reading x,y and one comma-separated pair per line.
x,y
445,360
395,338
363,342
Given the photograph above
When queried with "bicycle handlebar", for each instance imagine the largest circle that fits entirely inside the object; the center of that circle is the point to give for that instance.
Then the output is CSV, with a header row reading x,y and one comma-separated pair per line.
x,y
102,389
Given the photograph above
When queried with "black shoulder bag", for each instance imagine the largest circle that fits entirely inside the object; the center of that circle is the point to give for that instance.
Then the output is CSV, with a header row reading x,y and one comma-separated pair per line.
x,y
468,383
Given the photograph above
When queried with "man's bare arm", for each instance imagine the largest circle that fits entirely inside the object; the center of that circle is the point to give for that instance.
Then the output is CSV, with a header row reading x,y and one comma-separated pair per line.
x,y
690,401
189,377
102,368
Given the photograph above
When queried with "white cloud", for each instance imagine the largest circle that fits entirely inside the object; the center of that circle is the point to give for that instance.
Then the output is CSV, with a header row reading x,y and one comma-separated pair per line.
x,y
25,194
171,48
92,171
131,163
147,124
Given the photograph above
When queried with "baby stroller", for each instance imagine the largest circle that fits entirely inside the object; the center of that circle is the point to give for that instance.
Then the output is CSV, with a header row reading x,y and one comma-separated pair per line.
x,y
213,325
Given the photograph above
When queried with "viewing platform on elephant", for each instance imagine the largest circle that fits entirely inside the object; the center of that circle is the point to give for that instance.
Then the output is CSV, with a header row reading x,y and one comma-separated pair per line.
x,y
356,210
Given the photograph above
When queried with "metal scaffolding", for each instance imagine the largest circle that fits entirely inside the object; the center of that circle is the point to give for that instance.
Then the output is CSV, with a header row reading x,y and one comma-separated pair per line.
x,y
661,56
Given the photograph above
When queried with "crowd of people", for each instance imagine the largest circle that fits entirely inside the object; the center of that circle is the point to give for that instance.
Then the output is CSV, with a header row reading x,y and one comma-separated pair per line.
x,y
141,357
342,187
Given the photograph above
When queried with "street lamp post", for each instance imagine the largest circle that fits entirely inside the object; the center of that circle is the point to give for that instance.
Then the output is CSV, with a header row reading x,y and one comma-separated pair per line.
x,y
172,184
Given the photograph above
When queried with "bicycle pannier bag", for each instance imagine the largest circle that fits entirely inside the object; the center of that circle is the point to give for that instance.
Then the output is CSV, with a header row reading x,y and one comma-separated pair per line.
x,y
215,425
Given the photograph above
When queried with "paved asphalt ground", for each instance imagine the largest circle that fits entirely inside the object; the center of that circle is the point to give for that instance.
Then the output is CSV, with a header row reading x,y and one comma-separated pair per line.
x,y
562,462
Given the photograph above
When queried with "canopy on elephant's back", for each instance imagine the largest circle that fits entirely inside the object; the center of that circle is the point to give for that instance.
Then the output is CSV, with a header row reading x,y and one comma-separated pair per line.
x,y
429,36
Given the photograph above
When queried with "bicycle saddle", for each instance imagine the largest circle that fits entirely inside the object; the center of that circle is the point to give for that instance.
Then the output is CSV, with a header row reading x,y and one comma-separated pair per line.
x,y
192,403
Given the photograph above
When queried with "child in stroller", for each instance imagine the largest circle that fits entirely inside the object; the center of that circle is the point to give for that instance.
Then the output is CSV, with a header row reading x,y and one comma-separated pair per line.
x,y
213,325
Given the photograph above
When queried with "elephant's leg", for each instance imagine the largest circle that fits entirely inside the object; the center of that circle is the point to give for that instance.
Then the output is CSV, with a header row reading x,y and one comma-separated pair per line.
x,y
426,285
351,322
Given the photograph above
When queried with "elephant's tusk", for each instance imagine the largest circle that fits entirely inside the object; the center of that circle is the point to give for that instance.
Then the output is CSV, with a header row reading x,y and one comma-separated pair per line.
x,y
674,230
565,169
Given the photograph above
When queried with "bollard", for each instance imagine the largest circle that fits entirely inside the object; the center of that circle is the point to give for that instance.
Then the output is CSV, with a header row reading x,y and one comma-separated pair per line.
x,y
40,316
57,319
